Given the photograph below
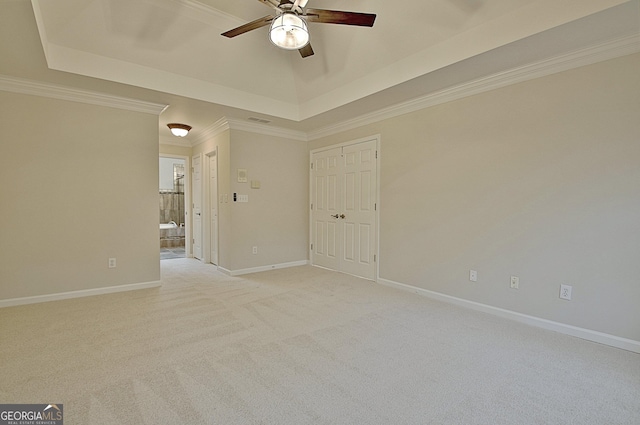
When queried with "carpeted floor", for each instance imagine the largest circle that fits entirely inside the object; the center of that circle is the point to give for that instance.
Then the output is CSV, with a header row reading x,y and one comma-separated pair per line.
x,y
302,346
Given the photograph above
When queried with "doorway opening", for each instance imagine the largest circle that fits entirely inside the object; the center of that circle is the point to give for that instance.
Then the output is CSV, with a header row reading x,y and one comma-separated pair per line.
x,y
172,208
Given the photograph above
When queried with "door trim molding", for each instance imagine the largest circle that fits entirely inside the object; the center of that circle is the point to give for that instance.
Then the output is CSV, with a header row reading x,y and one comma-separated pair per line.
x,y
377,138
206,213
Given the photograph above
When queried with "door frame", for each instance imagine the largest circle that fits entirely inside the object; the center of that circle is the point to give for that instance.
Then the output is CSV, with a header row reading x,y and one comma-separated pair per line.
x,y
377,139
206,228
187,200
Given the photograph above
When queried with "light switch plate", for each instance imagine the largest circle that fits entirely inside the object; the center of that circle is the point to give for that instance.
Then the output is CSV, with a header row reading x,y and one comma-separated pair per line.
x,y
515,282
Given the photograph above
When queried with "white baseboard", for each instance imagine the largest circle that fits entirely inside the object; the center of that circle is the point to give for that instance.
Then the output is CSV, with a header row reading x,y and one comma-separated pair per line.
x,y
595,336
225,271
11,302
263,268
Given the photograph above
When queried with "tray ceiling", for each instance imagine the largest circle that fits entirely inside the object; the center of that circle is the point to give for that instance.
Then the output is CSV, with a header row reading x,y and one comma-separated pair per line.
x,y
174,46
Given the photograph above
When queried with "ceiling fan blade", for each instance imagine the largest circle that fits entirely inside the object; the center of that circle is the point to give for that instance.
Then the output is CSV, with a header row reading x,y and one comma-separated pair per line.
x,y
306,51
271,3
258,23
339,17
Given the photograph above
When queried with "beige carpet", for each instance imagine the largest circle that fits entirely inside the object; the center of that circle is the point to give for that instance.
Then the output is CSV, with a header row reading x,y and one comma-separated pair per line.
x,y
302,346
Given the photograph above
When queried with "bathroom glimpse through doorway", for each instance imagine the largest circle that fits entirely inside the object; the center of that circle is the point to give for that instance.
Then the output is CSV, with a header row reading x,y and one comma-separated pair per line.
x,y
172,212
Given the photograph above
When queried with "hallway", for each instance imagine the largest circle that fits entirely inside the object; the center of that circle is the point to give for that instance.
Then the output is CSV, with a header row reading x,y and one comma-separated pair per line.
x,y
170,253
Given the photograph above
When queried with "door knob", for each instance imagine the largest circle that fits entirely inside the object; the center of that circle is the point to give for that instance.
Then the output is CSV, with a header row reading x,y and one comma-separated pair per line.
x,y
335,216
342,216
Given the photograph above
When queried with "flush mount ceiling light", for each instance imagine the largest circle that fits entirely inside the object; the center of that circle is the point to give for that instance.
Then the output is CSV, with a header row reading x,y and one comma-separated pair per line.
x,y
179,130
289,31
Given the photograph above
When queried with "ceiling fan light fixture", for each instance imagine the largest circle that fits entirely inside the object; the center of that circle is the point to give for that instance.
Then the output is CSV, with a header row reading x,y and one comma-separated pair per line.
x,y
179,130
289,31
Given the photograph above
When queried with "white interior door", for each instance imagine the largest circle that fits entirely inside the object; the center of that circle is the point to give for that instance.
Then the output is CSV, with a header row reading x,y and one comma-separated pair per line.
x,y
359,189
196,178
325,208
213,206
344,203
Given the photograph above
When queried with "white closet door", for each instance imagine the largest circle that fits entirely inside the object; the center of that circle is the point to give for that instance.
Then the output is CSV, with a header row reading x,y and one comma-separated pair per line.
x,y
343,217
359,209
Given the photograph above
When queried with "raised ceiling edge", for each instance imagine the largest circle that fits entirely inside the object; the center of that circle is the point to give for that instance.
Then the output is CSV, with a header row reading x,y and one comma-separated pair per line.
x,y
610,50
34,88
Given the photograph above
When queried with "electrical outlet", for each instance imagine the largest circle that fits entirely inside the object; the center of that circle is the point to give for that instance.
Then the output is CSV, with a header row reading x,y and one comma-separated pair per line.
x,y
515,282
565,292
112,263
255,250
473,275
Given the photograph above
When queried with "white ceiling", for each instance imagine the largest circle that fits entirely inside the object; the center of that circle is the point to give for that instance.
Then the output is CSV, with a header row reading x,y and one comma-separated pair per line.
x,y
415,48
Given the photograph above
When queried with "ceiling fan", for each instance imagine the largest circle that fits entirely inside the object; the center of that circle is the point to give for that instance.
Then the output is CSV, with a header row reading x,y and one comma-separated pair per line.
x,y
289,24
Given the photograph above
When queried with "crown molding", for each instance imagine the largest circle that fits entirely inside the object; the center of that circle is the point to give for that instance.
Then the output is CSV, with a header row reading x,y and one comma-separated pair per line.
x,y
212,131
267,130
598,53
22,86
610,50
224,124
601,52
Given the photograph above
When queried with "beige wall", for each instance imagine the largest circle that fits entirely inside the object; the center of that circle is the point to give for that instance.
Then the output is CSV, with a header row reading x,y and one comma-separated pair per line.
x,y
539,179
275,218
80,185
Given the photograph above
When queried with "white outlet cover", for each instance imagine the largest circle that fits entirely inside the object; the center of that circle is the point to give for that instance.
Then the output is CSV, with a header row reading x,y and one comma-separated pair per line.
x,y
565,292
473,275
